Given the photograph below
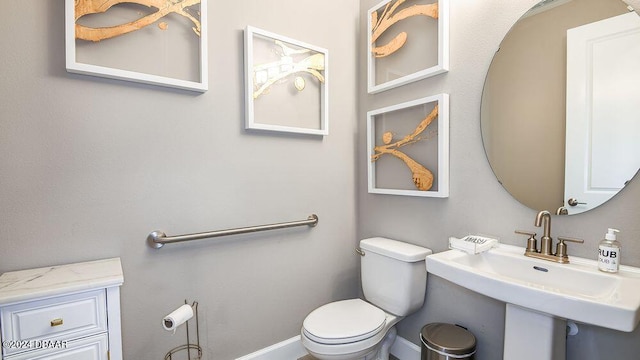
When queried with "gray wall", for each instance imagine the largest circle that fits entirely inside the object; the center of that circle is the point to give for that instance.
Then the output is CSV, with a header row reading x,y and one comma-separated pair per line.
x,y
88,167
477,203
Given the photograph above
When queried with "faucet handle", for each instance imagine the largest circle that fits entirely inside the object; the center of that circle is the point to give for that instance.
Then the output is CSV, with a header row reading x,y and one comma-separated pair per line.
x,y
561,239
561,247
532,242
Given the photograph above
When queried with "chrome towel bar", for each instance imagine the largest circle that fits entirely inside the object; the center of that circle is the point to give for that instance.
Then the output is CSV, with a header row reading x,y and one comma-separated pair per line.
x,y
158,239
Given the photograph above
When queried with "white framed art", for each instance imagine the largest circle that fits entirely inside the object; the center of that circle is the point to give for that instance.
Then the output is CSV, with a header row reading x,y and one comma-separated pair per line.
x,y
408,40
408,148
286,84
158,42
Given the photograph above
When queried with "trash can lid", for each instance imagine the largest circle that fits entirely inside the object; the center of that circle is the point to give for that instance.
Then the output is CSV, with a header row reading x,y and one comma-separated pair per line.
x,y
448,339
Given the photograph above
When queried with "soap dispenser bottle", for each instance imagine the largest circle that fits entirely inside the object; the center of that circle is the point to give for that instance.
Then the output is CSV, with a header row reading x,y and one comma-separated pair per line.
x,y
609,252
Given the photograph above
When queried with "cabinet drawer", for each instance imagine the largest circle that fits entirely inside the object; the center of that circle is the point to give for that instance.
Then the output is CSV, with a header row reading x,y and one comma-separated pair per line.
x,y
58,318
89,348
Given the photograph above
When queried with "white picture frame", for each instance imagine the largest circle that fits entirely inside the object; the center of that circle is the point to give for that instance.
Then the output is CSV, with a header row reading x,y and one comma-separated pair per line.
x,y
405,64
147,55
298,101
397,175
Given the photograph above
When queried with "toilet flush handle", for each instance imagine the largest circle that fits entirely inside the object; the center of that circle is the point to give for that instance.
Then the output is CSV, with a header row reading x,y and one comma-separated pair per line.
x,y
359,251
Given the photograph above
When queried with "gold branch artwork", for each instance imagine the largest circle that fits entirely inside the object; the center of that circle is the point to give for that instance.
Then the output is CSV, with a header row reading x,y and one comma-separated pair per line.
x,y
390,16
164,8
266,75
422,177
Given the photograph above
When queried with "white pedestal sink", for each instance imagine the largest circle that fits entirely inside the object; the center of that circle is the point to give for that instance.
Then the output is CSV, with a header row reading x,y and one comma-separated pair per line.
x,y
541,296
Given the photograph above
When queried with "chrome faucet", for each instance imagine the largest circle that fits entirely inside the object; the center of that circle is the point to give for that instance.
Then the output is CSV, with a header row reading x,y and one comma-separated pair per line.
x,y
546,241
543,219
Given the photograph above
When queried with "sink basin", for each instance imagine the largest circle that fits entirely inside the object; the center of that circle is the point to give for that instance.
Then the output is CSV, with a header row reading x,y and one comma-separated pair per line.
x,y
576,291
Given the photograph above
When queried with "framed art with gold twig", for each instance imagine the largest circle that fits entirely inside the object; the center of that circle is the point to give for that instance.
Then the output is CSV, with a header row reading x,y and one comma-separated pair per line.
x,y
408,40
286,84
408,148
158,42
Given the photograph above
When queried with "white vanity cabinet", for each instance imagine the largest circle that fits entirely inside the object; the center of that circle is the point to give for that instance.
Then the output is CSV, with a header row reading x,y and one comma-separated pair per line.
x,y
68,312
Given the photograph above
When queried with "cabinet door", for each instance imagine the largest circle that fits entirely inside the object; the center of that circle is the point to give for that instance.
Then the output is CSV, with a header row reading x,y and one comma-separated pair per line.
x,y
90,348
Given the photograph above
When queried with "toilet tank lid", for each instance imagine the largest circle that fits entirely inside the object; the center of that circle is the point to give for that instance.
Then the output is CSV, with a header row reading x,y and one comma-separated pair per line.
x,y
395,249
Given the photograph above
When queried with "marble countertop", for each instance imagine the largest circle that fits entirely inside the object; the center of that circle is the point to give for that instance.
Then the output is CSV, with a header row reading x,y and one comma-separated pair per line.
x,y
23,285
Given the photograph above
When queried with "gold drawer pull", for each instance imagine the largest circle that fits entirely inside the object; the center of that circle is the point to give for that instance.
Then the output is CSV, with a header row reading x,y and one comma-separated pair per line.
x,y
56,322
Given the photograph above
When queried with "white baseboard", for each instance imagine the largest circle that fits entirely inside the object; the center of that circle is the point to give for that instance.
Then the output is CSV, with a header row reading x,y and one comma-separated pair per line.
x,y
292,349
289,349
404,349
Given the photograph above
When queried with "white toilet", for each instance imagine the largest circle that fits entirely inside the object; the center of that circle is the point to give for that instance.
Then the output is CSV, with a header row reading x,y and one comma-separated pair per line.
x,y
394,280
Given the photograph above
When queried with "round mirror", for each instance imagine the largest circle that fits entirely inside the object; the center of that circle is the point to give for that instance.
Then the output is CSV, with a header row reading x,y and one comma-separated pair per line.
x,y
560,118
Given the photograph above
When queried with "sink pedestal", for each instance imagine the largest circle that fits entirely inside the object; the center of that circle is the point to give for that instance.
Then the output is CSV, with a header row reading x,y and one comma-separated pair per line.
x,y
530,335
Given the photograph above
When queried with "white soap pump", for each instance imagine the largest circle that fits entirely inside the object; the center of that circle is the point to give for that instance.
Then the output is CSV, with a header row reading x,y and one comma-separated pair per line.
x,y
609,252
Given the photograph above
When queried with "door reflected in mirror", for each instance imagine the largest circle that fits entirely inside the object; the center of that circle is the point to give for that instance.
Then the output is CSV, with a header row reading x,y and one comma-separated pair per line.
x,y
540,78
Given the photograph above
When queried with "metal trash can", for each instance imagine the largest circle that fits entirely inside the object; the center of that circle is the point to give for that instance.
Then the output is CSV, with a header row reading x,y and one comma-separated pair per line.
x,y
446,342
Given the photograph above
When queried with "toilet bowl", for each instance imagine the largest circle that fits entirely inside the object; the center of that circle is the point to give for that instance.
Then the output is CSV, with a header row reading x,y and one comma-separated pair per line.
x,y
347,330
394,284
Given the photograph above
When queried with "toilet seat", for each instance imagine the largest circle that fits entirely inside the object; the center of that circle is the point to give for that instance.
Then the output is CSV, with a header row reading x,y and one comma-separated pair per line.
x,y
344,322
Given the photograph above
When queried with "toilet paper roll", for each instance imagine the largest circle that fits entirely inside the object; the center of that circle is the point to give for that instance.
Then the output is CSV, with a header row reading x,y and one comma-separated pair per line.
x,y
178,317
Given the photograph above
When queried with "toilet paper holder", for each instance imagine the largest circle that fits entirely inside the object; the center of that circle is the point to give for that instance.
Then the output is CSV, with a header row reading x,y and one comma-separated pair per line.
x,y
189,347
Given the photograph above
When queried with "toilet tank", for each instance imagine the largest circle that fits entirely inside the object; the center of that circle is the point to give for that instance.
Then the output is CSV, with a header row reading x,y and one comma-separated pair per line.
x,y
394,275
